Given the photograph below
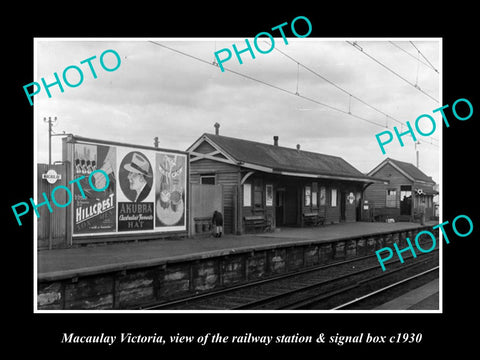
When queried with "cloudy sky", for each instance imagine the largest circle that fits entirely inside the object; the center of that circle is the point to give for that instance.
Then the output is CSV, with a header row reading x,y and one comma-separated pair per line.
x,y
159,92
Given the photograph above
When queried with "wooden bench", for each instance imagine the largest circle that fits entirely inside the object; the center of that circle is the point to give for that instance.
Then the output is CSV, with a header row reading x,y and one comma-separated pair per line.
x,y
255,222
313,219
379,218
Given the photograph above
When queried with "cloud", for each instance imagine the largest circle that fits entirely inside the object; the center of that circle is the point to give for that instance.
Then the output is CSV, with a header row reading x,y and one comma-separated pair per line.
x,y
159,92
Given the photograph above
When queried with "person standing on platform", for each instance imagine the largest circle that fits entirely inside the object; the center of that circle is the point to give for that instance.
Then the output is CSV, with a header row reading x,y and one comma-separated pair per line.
x,y
217,221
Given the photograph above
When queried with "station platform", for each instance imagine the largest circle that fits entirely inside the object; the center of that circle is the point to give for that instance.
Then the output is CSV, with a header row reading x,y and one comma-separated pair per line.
x,y
83,261
132,275
425,297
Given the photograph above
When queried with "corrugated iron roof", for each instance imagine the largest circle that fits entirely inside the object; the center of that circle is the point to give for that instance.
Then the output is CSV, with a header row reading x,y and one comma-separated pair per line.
x,y
284,159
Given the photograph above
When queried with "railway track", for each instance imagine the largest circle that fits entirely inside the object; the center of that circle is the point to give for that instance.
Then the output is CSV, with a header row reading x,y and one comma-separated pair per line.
x,y
377,297
327,294
321,287
231,291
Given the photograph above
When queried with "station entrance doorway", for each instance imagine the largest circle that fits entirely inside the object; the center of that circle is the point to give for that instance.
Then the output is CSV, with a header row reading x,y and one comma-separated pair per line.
x,y
406,200
286,206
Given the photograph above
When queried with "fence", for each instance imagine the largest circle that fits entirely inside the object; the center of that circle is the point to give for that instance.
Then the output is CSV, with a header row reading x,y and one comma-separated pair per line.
x,y
52,226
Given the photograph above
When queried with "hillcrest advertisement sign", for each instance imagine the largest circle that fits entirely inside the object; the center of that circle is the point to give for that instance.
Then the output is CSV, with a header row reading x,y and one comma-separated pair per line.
x,y
146,192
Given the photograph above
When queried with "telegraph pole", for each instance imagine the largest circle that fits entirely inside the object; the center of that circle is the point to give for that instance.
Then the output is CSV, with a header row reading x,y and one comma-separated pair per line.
x,y
418,155
50,137
50,220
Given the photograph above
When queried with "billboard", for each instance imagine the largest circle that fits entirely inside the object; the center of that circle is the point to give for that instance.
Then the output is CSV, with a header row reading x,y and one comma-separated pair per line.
x,y
147,189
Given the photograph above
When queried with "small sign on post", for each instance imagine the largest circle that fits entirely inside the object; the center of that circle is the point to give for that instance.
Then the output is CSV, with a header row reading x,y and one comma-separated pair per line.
x,y
51,176
351,198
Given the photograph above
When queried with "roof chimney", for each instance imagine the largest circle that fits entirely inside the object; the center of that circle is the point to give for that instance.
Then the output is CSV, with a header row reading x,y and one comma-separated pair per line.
x,y
217,126
298,147
275,140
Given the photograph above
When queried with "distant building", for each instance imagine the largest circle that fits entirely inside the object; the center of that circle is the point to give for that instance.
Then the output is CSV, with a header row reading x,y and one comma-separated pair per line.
x,y
400,197
269,186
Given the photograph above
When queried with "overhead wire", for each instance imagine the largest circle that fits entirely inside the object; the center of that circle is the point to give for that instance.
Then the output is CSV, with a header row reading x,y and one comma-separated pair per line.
x,y
267,84
418,70
341,89
271,85
433,67
226,69
356,46
413,56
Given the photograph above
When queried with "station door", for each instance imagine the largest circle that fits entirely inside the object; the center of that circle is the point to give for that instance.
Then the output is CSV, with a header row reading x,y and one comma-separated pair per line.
x,y
205,199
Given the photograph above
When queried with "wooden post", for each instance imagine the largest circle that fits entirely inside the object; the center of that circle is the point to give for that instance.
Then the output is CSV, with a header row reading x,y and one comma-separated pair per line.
x,y
67,158
235,210
191,222
69,211
412,203
240,229
50,217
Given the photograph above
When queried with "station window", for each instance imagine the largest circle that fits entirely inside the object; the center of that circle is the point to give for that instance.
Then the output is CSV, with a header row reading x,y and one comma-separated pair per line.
x,y
405,192
207,179
269,195
323,194
391,201
247,194
257,194
358,196
334,198
308,194
314,194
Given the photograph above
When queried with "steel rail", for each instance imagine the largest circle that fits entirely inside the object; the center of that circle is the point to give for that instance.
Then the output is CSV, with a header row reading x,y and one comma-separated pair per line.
x,y
273,279
246,285
306,301
385,288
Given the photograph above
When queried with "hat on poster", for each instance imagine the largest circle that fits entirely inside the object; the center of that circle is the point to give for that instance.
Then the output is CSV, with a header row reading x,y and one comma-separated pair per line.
x,y
138,165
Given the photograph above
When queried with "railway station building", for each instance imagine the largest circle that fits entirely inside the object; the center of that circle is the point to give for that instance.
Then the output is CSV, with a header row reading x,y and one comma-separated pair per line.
x,y
268,186
402,196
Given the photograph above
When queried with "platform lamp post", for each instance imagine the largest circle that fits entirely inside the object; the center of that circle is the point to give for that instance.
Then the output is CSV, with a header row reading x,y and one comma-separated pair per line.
x,y
50,124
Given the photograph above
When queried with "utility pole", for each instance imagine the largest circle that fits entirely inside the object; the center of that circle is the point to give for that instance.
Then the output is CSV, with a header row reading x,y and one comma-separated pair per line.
x,y
418,155
50,220
50,124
